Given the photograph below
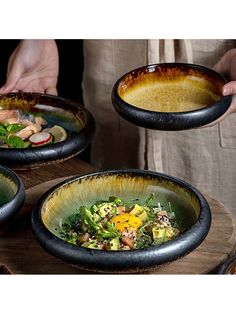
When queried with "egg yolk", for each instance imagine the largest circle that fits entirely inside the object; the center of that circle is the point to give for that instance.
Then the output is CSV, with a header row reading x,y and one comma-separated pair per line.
x,y
126,221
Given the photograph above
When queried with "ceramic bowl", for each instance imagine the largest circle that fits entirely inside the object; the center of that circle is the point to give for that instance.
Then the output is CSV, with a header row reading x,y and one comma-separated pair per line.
x,y
170,96
76,120
12,194
229,267
63,200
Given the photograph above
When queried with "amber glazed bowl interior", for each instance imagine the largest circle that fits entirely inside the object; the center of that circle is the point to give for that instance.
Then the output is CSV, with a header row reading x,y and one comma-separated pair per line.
x,y
64,199
170,96
73,117
12,194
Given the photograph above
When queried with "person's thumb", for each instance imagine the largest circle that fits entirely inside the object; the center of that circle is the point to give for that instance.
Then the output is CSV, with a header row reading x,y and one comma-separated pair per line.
x,y
229,88
51,91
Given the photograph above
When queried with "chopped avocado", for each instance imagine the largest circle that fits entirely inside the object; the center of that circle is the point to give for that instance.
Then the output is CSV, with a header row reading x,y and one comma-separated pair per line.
x,y
161,235
158,232
143,216
114,244
140,212
105,210
137,210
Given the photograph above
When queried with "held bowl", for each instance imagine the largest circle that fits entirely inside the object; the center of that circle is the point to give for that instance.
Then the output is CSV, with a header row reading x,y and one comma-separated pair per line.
x,y
170,96
62,200
73,117
12,194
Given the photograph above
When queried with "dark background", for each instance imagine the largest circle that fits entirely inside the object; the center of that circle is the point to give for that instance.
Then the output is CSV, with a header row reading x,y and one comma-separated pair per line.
x,y
70,65
70,69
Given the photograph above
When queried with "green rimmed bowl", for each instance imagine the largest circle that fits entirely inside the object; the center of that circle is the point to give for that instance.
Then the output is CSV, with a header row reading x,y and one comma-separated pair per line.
x,y
12,194
63,199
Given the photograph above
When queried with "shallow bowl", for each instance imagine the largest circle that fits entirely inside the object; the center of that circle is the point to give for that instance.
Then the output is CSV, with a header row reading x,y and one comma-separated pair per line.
x,y
170,96
62,200
73,117
12,194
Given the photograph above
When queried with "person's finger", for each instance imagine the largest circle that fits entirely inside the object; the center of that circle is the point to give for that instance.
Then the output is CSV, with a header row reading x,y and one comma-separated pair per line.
x,y
229,88
8,87
51,91
13,77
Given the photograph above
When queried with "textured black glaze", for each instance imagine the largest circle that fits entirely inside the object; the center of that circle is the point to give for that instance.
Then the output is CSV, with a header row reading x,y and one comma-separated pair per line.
x,y
73,145
171,121
124,261
11,208
226,267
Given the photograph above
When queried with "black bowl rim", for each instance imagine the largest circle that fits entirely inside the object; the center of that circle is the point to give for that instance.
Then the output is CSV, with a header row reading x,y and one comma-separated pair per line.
x,y
117,260
10,208
135,114
31,154
225,267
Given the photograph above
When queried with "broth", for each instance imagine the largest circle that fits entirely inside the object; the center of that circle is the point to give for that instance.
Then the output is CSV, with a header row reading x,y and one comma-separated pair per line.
x,y
173,96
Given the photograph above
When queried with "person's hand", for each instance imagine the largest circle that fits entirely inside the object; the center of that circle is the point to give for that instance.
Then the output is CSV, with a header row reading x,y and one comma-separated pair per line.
x,y
33,67
227,67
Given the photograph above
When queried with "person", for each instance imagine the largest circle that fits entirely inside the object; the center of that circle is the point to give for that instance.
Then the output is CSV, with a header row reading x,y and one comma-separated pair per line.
x,y
204,157
33,67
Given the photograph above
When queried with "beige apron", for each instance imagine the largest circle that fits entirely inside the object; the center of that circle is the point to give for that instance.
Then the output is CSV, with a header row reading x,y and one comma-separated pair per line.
x,y
203,157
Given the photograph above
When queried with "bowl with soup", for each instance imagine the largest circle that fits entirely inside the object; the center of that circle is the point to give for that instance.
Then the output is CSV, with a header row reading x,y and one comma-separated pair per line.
x,y
170,96
121,220
12,194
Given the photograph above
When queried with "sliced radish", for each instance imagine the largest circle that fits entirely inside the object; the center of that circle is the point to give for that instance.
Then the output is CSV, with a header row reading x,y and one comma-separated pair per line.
x,y
40,138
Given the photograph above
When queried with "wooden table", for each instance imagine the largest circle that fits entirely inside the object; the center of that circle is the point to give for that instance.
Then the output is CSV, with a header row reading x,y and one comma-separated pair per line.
x,y
21,253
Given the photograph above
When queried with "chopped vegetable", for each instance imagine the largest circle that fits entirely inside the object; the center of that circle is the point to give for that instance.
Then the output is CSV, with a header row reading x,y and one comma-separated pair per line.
x,y
40,138
58,132
20,130
120,225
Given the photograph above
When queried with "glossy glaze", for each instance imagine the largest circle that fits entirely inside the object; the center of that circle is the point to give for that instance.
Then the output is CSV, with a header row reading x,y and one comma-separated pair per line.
x,y
63,199
75,118
15,191
170,96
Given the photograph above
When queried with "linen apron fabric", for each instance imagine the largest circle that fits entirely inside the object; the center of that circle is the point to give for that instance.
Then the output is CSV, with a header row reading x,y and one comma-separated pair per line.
x,y
203,157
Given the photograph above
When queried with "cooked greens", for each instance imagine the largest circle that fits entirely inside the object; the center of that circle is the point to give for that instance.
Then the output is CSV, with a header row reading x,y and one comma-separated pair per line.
x,y
115,224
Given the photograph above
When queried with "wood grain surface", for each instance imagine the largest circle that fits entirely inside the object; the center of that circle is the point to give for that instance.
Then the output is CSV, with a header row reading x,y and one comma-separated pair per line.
x,y
22,254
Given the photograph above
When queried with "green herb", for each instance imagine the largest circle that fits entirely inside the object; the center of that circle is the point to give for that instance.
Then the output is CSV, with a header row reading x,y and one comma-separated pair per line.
x,y
15,141
3,131
13,128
